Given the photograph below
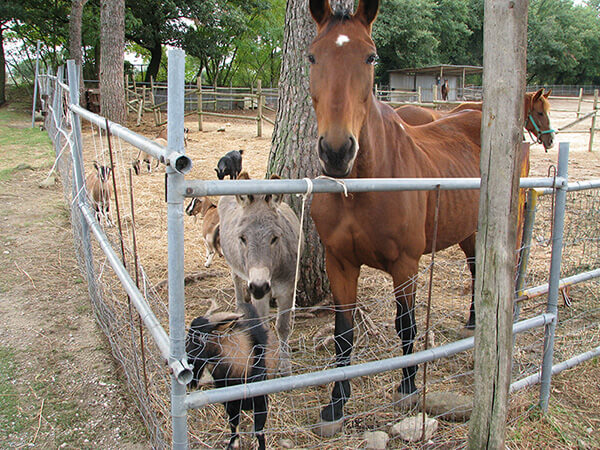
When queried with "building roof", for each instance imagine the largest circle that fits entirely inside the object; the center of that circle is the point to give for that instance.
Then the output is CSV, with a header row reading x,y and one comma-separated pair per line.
x,y
445,69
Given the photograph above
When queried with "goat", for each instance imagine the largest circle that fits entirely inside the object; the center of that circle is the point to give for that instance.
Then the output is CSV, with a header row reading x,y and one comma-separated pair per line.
x,y
100,191
230,164
161,139
210,225
236,348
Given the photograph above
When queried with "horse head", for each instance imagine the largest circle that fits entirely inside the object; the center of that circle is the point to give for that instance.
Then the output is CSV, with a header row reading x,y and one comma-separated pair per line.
x,y
537,120
341,59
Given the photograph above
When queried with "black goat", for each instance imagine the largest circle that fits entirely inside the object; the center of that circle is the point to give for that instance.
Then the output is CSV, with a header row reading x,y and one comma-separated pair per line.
x,y
236,348
230,164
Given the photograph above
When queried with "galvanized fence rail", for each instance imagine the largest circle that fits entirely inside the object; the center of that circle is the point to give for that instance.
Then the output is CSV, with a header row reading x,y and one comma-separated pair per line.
x,y
63,122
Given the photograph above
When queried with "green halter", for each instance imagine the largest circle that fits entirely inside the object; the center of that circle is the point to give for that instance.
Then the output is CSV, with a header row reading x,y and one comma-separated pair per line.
x,y
539,132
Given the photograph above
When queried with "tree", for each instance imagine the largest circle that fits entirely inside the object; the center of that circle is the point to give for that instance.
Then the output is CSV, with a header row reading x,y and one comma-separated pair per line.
x,y
151,24
219,27
293,153
112,47
75,31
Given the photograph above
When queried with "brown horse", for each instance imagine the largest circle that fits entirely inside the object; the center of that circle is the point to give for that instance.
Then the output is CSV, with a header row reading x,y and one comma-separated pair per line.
x,y
536,109
361,137
445,90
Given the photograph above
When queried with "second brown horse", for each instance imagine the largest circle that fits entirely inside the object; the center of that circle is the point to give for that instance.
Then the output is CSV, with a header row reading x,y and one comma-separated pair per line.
x,y
536,108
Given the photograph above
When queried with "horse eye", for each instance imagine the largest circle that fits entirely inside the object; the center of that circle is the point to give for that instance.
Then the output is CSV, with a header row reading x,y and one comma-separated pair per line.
x,y
243,239
274,239
541,114
311,58
372,59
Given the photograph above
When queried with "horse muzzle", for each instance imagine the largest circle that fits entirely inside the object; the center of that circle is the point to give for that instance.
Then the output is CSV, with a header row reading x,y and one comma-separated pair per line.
x,y
337,159
547,140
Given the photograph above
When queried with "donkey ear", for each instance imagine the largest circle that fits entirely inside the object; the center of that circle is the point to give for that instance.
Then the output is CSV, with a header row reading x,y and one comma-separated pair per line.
x,y
547,94
274,199
320,11
244,200
367,11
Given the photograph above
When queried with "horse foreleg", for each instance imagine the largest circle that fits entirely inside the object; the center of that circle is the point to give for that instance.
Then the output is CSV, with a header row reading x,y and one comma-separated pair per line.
x,y
468,247
406,326
343,278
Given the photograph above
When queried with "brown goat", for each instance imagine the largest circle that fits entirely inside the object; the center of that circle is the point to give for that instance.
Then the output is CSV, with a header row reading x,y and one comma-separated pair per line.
x,y
210,225
100,192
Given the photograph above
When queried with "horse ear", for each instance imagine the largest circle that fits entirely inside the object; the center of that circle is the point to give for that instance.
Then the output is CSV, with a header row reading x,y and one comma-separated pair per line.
x,y
243,175
320,10
547,94
537,95
367,11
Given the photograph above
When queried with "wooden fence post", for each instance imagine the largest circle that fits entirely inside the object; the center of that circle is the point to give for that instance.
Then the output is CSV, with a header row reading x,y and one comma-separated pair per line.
x,y
419,95
199,83
504,86
579,102
593,127
435,92
153,102
259,120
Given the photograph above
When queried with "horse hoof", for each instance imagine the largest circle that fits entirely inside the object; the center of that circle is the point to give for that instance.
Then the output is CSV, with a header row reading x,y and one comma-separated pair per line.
x,y
405,402
329,429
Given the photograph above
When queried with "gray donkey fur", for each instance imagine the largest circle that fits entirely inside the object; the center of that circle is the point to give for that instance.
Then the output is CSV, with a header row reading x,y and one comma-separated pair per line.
x,y
259,239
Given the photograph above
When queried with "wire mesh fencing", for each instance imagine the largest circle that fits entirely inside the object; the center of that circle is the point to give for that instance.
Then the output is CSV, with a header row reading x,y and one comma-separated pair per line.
x,y
141,244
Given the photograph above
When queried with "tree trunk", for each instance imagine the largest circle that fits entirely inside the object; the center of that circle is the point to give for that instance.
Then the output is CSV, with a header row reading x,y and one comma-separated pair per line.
x,y
154,65
75,31
293,153
112,48
2,70
502,134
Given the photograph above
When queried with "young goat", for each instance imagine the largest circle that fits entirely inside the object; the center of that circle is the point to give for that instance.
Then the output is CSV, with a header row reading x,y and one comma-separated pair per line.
x,y
100,192
210,225
236,348
161,139
230,164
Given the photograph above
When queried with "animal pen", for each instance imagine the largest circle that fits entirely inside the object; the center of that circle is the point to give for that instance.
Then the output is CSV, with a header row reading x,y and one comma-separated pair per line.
x,y
147,332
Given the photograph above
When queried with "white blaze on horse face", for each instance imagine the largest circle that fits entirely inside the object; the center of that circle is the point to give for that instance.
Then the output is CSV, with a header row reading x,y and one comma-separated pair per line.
x,y
341,40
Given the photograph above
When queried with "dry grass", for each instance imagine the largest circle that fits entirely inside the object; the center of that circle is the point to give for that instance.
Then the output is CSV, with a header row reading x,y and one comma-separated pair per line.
x,y
293,414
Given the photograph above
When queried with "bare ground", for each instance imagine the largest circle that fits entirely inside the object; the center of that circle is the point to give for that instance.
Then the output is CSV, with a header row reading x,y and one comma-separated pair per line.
x,y
68,391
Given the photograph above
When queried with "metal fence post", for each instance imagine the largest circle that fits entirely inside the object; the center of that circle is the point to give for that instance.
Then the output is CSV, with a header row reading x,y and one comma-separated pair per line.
x,y
56,104
35,83
557,241
175,182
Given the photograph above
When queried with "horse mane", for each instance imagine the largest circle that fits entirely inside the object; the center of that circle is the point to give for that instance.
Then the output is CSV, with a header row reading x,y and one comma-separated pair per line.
x,y
341,13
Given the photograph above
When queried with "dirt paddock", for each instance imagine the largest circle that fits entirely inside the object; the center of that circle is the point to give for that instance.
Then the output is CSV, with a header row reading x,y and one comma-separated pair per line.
x,y
293,414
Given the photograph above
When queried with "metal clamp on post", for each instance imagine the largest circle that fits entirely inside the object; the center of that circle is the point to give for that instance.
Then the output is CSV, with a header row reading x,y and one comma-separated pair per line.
x,y
179,162
182,371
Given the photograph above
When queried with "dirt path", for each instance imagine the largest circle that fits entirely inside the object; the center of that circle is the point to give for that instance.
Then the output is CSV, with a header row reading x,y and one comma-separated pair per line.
x,y
59,387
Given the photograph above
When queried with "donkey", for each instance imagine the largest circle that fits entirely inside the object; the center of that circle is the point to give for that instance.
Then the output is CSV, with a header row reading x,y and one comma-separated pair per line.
x,y
259,239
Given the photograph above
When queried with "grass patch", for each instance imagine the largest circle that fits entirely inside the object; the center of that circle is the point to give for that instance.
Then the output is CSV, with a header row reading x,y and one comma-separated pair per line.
x,y
11,419
20,144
